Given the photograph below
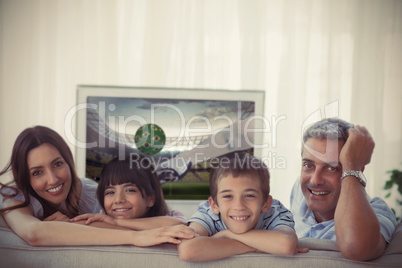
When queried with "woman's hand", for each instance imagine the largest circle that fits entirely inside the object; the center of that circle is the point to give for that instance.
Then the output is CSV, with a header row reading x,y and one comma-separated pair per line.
x,y
165,234
57,216
89,217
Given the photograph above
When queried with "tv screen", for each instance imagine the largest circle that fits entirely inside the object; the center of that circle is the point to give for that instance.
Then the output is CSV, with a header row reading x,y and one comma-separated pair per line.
x,y
182,132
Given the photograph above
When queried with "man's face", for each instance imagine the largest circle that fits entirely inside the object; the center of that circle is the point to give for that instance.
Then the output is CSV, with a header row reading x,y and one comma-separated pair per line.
x,y
320,176
240,202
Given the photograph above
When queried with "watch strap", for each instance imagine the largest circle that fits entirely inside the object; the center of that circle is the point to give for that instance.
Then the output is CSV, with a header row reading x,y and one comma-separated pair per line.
x,y
357,174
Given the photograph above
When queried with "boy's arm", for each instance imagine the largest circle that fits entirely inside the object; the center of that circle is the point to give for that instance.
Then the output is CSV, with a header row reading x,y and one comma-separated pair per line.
x,y
281,241
204,248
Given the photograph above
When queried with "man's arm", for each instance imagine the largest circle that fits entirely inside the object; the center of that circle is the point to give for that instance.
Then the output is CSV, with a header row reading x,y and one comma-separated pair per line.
x,y
281,241
204,248
356,225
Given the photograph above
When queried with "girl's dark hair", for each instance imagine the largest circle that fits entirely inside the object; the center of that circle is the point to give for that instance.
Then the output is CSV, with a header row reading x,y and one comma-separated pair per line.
x,y
29,139
136,170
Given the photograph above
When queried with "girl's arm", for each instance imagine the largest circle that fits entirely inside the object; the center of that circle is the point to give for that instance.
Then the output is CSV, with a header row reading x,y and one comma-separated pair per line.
x,y
58,216
134,224
58,233
150,222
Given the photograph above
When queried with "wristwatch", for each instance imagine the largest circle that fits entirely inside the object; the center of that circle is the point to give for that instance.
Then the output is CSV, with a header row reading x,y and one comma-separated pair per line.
x,y
358,174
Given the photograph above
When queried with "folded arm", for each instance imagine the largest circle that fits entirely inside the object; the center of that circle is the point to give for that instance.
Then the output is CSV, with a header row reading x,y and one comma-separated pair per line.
x,y
281,241
357,228
356,225
58,233
205,248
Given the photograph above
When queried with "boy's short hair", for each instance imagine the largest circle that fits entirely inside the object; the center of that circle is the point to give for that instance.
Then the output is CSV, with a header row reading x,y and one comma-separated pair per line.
x,y
239,164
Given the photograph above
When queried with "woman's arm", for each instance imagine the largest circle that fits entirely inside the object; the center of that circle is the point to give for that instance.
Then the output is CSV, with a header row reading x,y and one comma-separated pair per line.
x,y
58,233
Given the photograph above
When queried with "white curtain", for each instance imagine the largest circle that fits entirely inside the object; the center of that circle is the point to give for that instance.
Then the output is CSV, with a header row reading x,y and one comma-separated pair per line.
x,y
344,57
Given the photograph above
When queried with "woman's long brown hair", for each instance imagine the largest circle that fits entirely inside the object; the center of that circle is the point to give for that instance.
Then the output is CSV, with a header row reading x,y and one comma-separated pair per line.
x,y
29,139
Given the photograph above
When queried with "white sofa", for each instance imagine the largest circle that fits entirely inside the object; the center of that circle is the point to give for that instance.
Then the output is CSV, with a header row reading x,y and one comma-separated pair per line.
x,y
14,252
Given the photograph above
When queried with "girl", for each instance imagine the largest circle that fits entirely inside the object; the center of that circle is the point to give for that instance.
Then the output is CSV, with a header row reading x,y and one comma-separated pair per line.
x,y
47,192
130,194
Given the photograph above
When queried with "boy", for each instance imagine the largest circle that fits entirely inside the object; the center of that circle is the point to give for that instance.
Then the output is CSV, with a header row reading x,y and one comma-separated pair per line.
x,y
240,216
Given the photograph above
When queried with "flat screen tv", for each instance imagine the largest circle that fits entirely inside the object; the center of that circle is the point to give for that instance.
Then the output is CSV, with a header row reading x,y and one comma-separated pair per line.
x,y
193,128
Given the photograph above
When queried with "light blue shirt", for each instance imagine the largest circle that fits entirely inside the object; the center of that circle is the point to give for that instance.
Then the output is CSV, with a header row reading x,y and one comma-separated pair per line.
x,y
277,216
307,226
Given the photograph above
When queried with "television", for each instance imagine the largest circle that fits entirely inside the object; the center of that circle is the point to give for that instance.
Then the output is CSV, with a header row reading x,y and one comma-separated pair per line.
x,y
195,126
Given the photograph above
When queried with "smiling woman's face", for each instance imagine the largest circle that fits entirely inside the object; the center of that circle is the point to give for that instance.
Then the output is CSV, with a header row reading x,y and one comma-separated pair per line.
x,y
320,176
49,173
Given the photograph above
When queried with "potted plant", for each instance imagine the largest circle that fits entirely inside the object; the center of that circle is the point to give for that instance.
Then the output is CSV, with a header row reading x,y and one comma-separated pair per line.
x,y
395,178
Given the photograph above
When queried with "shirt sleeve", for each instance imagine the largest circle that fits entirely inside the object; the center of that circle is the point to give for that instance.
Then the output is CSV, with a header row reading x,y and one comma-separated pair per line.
x,y
89,203
35,205
208,219
278,216
176,214
385,217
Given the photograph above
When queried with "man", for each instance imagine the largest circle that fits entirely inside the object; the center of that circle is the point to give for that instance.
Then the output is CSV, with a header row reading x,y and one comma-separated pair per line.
x,y
330,202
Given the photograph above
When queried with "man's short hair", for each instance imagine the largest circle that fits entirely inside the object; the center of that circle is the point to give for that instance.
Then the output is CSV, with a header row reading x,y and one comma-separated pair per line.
x,y
239,164
329,128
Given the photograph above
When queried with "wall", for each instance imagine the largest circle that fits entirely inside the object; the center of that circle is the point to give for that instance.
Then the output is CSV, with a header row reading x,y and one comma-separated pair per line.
x,y
304,54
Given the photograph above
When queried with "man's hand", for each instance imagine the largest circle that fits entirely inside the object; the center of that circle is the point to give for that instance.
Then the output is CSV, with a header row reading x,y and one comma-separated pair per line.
x,y
358,149
301,250
57,216
89,217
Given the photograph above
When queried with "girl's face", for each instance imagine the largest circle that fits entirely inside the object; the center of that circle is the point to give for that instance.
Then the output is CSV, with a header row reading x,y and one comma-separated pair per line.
x,y
49,173
125,201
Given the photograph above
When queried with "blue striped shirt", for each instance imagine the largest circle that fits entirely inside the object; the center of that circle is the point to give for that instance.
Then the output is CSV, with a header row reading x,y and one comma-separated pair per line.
x,y
307,226
277,217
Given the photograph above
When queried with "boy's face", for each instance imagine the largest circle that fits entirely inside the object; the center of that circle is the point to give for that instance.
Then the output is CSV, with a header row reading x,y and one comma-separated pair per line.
x,y
240,202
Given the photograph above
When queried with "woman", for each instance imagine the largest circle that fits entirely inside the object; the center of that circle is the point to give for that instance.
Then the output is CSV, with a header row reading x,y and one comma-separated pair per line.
x,y
48,193
33,151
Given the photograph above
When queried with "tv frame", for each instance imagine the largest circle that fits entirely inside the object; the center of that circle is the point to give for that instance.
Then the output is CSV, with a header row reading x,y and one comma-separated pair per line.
x,y
172,96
